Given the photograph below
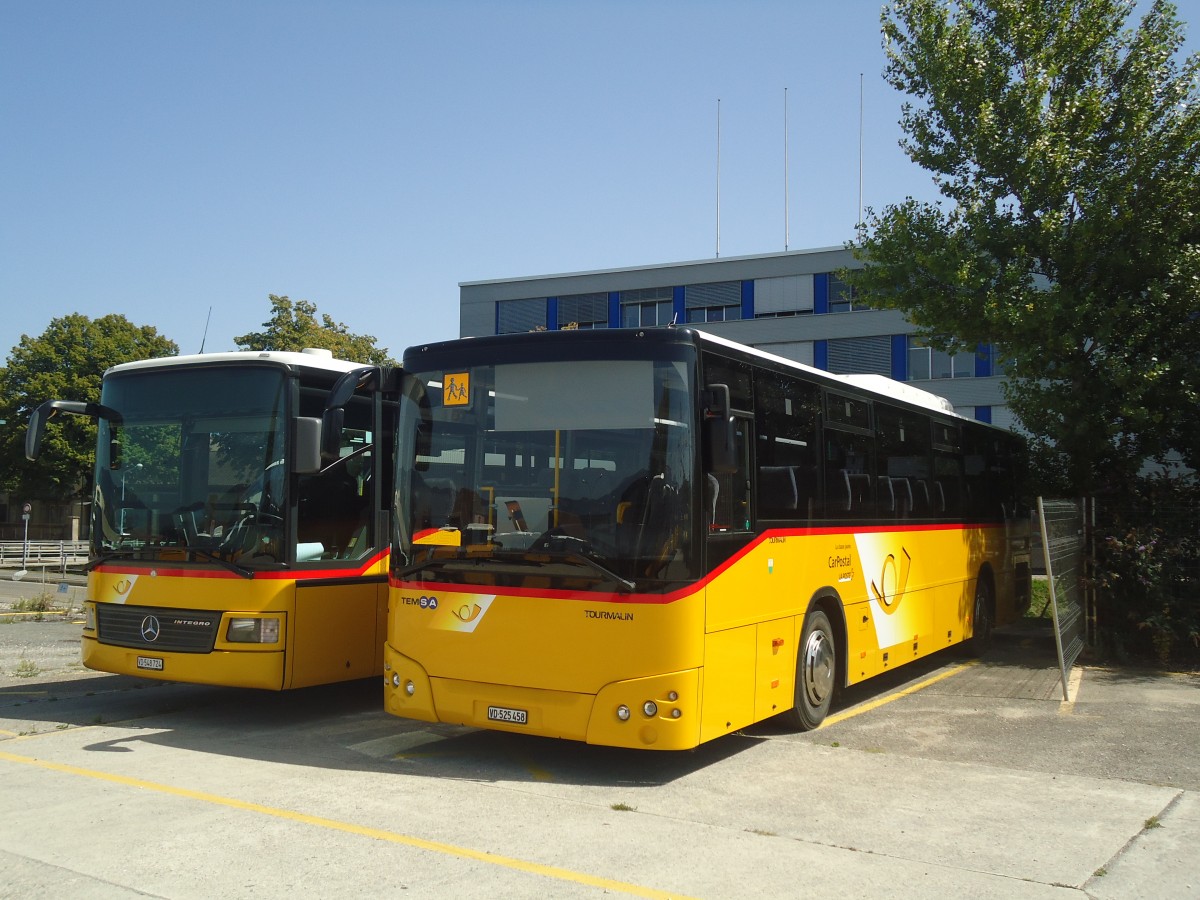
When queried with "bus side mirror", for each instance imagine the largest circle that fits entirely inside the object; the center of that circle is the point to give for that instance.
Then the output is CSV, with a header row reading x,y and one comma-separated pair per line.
x,y
331,424
718,430
35,432
306,460
44,413
364,377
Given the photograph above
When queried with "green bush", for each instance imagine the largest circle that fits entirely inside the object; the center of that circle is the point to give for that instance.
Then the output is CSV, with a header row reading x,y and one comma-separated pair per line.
x,y
1147,573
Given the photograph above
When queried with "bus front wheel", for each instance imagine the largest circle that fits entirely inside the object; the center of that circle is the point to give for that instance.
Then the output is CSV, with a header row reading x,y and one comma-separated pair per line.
x,y
816,672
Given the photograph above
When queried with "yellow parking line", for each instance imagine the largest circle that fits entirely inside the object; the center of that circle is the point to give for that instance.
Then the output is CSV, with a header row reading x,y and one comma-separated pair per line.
x,y
506,862
911,689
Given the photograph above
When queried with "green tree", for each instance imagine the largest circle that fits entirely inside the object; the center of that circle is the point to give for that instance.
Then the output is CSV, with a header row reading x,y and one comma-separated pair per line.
x,y
1066,145
293,326
65,362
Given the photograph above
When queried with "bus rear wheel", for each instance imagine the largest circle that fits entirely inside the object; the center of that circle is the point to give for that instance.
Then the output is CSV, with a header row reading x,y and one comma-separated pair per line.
x,y
981,619
816,672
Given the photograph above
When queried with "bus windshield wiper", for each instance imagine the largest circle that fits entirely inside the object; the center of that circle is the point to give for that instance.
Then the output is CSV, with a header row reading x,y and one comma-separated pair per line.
x,y
590,562
136,552
569,548
532,557
224,563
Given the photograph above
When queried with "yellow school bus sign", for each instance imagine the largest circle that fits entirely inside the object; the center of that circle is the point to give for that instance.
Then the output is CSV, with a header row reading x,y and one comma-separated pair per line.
x,y
456,389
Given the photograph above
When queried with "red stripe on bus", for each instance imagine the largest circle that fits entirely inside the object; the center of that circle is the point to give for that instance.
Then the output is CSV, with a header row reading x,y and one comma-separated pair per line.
x,y
672,597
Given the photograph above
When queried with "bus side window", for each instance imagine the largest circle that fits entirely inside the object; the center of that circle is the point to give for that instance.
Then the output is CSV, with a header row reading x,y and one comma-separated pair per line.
x,y
787,439
727,494
849,464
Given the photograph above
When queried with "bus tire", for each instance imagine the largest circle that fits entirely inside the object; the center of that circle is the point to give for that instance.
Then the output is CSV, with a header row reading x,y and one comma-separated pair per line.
x,y
816,672
981,618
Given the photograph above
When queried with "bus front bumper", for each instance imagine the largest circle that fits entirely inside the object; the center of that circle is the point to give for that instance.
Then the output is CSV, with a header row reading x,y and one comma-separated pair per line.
x,y
659,712
228,668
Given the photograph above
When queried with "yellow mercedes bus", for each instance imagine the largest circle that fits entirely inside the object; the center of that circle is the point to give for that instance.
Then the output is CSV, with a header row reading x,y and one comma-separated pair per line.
x,y
652,538
233,542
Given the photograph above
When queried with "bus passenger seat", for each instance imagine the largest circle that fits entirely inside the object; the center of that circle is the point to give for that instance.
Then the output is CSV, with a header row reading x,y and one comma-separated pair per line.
x,y
939,497
840,497
860,491
887,496
712,490
920,496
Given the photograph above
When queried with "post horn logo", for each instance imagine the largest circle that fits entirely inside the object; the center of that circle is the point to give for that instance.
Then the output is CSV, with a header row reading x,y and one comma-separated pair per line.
x,y
890,589
467,613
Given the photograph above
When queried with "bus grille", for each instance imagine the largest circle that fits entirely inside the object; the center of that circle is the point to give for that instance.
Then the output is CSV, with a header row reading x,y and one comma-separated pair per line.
x,y
153,628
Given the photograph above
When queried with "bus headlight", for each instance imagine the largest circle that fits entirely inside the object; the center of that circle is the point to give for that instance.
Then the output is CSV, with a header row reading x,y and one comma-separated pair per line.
x,y
650,708
253,631
89,617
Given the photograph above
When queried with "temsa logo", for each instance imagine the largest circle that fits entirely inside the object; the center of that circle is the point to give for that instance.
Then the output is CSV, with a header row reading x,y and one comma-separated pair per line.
x,y
423,602
893,579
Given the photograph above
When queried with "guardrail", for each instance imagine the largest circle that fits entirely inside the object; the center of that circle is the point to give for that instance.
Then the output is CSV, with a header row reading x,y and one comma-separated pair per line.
x,y
19,554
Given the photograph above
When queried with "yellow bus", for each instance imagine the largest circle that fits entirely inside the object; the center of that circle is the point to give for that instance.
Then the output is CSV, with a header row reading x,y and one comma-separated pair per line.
x,y
233,543
653,538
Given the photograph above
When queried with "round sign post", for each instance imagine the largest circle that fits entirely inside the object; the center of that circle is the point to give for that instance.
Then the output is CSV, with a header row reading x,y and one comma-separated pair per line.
x,y
25,511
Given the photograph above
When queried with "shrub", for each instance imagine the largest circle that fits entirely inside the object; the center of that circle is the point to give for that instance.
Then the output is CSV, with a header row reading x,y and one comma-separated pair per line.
x,y
1147,573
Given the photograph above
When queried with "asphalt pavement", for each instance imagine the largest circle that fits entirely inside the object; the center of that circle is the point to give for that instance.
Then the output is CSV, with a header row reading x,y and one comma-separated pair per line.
x,y
944,779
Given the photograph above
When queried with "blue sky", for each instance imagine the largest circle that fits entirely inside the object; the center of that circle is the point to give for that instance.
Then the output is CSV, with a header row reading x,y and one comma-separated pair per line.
x,y
158,159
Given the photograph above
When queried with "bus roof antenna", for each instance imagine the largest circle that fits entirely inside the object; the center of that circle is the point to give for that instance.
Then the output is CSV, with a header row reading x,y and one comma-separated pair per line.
x,y
204,337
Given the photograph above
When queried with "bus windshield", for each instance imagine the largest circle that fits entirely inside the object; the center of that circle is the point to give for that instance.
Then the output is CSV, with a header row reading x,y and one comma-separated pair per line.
x,y
194,462
575,475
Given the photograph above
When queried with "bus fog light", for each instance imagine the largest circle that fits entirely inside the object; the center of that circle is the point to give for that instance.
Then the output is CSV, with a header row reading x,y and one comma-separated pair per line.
x,y
650,708
410,688
253,631
623,713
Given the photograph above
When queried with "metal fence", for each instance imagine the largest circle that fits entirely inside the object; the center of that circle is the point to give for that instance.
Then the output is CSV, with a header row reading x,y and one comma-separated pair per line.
x,y
1060,539
59,554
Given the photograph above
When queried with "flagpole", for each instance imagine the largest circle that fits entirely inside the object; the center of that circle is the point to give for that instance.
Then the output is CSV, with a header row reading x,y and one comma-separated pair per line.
x,y
860,146
718,177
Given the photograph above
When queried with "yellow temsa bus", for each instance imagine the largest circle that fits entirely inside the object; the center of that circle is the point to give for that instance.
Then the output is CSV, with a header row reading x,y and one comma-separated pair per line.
x,y
233,542
652,538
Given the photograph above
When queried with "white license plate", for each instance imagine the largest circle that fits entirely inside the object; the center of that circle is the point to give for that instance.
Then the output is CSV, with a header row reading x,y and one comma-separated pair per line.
x,y
150,662
504,714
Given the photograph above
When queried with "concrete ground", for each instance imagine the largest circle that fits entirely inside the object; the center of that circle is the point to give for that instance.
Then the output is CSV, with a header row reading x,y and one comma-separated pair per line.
x,y
943,779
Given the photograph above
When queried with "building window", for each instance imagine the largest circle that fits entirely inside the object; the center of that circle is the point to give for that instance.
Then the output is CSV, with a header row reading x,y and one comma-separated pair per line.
x,y
843,297
926,363
647,307
718,302
583,311
513,316
863,355
789,295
